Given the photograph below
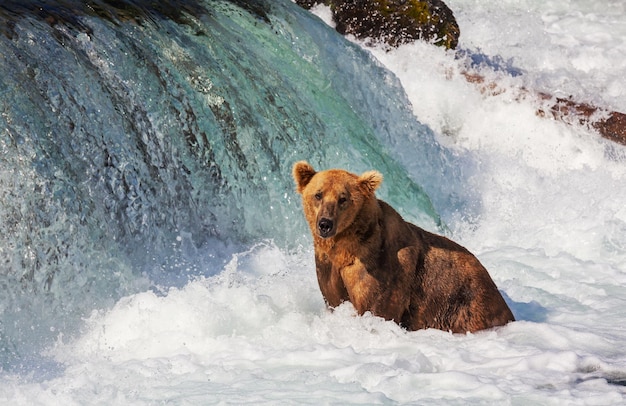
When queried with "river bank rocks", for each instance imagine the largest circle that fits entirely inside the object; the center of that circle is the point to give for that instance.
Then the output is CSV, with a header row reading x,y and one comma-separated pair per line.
x,y
393,22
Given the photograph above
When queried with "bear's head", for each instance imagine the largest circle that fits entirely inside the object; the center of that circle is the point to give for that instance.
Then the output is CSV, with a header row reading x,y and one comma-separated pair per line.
x,y
333,199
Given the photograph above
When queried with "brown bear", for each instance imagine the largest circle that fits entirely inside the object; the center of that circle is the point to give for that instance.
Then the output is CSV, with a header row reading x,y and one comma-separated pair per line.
x,y
367,254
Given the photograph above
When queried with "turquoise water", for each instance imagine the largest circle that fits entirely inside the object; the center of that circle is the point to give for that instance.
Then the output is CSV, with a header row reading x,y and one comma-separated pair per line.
x,y
136,151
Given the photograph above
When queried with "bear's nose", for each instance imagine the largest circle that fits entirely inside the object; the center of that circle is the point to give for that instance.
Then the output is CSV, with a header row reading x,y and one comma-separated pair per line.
x,y
325,227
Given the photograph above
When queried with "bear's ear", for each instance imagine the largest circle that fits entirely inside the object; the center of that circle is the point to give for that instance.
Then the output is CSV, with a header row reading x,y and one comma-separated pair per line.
x,y
302,174
370,180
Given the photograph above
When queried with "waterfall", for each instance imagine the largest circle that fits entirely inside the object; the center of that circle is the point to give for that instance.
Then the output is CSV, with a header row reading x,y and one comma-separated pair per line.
x,y
140,141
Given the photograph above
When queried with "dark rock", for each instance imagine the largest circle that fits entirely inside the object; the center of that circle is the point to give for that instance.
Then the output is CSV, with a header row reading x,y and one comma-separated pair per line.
x,y
394,22
609,124
613,127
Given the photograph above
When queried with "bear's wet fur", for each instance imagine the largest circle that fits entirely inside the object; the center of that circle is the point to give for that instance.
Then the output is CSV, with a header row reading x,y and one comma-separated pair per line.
x,y
367,254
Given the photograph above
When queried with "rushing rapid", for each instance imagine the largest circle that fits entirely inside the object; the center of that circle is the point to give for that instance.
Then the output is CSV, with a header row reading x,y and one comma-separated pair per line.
x,y
154,250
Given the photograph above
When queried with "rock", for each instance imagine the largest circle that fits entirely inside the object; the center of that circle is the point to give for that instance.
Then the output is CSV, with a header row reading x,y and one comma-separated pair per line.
x,y
612,127
394,22
608,123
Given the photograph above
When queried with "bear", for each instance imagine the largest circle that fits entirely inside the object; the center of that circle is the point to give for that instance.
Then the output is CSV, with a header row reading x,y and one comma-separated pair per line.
x,y
367,254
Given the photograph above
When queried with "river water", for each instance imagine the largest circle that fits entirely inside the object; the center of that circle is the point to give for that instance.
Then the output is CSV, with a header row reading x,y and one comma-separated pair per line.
x,y
154,250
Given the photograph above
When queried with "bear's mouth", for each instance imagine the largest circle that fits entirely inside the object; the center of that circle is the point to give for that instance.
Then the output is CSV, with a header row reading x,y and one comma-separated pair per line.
x,y
326,228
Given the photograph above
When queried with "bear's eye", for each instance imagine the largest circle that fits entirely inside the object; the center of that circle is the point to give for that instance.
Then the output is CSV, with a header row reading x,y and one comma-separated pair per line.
x,y
342,201
318,196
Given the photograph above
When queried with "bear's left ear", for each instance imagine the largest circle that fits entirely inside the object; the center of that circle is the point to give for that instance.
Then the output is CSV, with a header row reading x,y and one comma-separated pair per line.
x,y
370,180
302,174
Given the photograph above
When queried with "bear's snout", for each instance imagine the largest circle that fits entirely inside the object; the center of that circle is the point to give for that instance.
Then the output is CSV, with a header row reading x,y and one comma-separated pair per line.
x,y
326,227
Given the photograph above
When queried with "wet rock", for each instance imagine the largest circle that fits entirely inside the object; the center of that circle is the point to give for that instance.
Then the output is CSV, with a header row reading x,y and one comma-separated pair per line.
x,y
394,22
608,123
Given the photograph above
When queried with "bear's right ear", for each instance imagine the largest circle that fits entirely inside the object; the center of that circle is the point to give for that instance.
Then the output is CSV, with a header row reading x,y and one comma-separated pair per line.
x,y
302,174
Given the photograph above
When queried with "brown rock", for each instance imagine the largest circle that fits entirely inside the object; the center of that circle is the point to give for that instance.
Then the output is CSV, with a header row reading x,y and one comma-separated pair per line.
x,y
394,22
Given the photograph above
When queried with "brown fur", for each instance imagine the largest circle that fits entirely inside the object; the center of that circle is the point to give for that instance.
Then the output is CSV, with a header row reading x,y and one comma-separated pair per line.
x,y
367,254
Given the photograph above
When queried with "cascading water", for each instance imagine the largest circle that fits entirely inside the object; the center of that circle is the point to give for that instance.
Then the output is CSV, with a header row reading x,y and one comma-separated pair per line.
x,y
140,141
153,249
